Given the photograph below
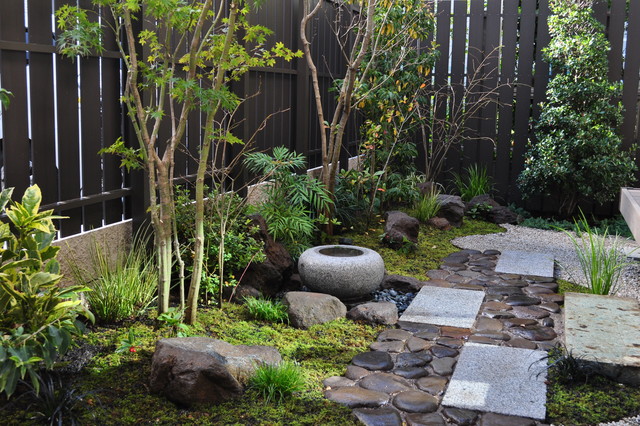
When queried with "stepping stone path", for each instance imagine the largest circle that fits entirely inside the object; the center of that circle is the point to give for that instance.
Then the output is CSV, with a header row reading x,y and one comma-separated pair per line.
x,y
408,372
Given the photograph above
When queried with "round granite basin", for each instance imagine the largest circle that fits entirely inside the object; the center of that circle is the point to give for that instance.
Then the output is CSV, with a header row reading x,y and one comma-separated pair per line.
x,y
347,272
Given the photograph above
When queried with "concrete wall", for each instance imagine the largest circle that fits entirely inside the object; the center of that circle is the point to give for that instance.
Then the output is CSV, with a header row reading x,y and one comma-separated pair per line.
x,y
113,238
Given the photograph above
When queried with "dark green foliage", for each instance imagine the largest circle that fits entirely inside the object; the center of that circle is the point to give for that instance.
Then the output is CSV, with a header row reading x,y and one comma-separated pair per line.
x,y
56,402
567,368
276,382
38,318
240,247
295,204
479,211
267,310
577,153
613,225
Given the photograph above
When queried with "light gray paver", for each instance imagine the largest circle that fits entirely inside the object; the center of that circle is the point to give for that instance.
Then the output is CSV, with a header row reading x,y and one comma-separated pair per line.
x,y
499,379
444,306
525,263
606,331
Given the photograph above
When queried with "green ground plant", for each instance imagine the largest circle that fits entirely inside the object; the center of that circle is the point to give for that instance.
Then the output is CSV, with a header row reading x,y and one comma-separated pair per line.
x,y
474,182
38,318
601,262
294,204
266,310
277,382
123,284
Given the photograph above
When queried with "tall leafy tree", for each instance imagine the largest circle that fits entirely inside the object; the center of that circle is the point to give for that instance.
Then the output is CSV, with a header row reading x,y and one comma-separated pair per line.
x,y
577,154
185,57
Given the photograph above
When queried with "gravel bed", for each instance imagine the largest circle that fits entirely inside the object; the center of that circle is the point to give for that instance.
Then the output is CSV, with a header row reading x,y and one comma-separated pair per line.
x,y
560,246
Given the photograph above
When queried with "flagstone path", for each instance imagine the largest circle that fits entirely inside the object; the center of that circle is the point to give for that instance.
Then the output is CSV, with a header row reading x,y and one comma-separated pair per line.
x,y
474,358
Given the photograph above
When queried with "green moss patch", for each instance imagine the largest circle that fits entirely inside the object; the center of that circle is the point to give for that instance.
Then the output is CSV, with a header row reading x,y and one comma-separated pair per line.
x,y
569,287
433,245
597,401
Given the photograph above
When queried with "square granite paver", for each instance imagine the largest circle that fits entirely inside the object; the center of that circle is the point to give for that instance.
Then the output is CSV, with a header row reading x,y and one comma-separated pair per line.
x,y
444,306
605,330
499,379
525,263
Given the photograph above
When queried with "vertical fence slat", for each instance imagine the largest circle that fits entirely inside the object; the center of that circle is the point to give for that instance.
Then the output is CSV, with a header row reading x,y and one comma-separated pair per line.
x,y
631,92
474,59
42,103
486,149
68,137
523,90
505,111
615,32
16,145
458,60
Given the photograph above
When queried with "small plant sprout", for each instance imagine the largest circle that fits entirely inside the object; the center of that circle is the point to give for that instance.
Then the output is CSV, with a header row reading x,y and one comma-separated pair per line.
x,y
173,320
276,382
129,343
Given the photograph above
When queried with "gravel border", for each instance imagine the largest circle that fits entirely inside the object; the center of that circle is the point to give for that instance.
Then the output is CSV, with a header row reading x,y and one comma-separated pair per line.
x,y
558,244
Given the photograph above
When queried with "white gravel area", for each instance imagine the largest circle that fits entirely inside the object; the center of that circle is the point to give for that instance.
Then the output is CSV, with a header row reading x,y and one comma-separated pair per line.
x,y
558,244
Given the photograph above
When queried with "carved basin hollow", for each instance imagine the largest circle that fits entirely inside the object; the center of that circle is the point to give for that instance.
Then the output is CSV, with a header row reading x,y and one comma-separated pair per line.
x,y
347,272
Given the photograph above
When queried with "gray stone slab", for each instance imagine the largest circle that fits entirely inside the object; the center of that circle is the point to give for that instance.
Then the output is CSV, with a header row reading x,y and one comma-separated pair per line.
x,y
525,263
500,380
605,330
444,306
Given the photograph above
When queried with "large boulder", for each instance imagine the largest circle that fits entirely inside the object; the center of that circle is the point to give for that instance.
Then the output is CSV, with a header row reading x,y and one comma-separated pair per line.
x,y
385,313
497,214
400,228
306,309
269,276
452,208
191,370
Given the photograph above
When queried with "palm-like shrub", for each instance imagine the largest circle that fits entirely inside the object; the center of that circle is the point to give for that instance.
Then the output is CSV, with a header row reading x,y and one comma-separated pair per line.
x,y
294,204
577,154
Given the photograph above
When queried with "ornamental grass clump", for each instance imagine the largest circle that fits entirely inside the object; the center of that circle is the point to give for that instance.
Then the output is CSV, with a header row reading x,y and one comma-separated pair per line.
x,y
122,287
428,206
266,310
600,263
276,382
476,182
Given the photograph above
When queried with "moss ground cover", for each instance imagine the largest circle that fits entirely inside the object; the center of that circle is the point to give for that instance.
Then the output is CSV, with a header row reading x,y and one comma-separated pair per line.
x,y
433,245
120,380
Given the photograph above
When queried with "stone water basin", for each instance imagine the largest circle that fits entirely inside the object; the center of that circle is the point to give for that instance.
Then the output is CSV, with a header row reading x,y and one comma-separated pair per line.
x,y
347,272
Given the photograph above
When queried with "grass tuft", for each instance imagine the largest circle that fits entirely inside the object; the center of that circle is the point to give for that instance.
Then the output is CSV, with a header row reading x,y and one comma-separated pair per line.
x,y
476,182
427,207
276,382
266,310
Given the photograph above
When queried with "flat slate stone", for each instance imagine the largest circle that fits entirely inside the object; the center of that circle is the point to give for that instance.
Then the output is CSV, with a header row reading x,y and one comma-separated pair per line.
x,y
354,397
422,419
525,263
378,416
499,379
375,360
444,306
384,382
605,330
416,402
432,384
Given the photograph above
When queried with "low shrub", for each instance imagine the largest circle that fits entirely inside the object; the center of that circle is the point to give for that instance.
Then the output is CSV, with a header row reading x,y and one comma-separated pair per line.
x,y
38,318
123,287
276,382
266,310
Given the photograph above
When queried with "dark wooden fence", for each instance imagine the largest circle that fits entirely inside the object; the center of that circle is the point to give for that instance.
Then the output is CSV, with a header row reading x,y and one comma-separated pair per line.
x,y
63,112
